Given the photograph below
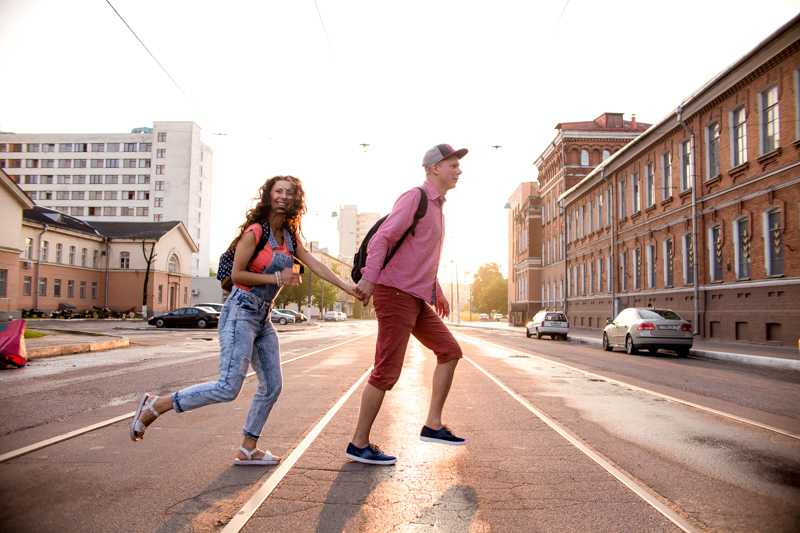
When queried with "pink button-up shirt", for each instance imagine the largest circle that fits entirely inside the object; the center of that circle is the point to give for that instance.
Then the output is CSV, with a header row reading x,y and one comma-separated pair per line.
x,y
413,268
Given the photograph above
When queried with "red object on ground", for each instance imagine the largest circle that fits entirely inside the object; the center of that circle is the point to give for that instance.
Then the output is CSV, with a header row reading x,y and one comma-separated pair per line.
x,y
12,344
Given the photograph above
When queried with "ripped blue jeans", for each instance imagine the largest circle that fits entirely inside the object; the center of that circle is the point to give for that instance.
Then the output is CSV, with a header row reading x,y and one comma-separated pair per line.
x,y
246,337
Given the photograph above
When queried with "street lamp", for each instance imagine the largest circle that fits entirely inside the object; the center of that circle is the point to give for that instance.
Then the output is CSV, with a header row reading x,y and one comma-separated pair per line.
x,y
458,298
311,249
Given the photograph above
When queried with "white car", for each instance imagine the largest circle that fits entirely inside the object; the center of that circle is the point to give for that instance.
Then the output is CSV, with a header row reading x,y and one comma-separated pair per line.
x,y
498,317
341,316
553,323
331,316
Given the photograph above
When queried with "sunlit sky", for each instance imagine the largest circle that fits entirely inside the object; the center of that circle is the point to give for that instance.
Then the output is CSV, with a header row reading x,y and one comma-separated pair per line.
x,y
297,86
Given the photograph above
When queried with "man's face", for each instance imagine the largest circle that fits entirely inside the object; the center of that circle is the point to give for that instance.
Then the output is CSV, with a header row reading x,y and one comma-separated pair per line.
x,y
446,173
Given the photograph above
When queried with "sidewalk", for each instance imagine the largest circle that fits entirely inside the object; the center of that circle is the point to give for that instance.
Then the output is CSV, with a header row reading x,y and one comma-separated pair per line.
x,y
738,352
63,343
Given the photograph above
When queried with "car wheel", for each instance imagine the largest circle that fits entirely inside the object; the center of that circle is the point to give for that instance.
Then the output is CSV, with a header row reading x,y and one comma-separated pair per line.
x,y
528,333
282,321
630,349
159,323
202,323
682,352
606,345
538,335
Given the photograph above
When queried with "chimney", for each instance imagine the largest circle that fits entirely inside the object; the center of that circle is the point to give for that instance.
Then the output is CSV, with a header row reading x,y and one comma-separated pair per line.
x,y
633,122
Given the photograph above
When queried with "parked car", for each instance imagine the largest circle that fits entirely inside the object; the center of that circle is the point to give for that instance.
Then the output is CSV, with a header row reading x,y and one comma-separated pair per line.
x,y
483,317
282,318
341,315
298,317
331,316
644,328
498,317
215,307
553,323
200,317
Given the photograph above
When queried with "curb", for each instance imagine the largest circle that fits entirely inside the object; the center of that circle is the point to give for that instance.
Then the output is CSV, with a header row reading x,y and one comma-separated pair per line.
x,y
53,351
755,360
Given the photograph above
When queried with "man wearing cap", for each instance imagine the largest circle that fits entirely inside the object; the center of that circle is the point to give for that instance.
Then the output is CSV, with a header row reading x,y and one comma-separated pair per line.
x,y
402,292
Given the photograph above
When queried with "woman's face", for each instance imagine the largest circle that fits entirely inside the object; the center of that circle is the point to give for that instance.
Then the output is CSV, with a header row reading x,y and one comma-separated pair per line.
x,y
281,197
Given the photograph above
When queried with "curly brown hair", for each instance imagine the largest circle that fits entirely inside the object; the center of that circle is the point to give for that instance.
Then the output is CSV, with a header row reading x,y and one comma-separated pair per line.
x,y
260,212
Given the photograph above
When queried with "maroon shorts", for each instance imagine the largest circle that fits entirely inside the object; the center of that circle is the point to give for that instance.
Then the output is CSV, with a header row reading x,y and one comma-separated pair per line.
x,y
399,316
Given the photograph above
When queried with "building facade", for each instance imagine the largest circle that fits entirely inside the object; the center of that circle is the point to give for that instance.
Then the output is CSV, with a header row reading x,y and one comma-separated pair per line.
x,y
699,214
156,174
576,150
524,258
353,228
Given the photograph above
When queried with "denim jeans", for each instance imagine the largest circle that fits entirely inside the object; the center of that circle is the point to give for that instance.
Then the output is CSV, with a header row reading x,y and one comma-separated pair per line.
x,y
246,337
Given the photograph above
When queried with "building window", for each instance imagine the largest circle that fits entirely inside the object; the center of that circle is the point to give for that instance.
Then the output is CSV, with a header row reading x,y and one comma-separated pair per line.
x,y
738,137
70,289
31,163
688,259
715,251
741,236
584,158
110,211
686,165
110,195
712,147
142,211
42,286
158,218
98,147
161,153
112,179
95,179
623,271
637,269
635,192
3,283
127,211
125,260
26,286
79,195
65,147
599,211
128,179
59,248
773,238
173,265
32,147
606,154
160,293
770,122
65,163
144,163
81,147
651,266
95,259
583,279
94,290
129,147
82,290
162,137
666,175
145,147
591,216
112,163
583,221
186,295
649,185
159,185
160,169
623,209
29,248
63,179
129,163
57,288
71,255
669,263
144,178
84,254
76,211
591,277
143,195
600,284
98,163
95,195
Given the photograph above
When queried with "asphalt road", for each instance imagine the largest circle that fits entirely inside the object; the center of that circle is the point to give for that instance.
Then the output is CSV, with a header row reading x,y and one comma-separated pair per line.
x,y
561,437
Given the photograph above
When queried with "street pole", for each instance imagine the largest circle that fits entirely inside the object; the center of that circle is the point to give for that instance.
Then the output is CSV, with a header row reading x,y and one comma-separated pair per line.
x,y
458,299
311,246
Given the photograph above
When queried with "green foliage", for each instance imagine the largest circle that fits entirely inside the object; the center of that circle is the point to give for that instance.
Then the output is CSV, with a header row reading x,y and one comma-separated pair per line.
x,y
490,289
30,334
299,295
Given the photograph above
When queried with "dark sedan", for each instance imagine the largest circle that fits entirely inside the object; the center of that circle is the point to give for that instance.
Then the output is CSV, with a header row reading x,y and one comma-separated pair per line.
x,y
199,317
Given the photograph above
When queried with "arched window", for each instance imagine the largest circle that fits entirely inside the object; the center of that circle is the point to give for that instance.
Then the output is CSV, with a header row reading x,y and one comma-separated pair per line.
x,y
773,237
584,158
606,154
715,251
174,264
741,250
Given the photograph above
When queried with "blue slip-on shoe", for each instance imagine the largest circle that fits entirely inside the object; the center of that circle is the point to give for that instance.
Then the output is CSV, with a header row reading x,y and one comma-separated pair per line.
x,y
369,454
443,436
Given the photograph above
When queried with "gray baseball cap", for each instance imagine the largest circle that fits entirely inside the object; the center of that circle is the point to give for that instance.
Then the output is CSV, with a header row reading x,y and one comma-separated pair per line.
x,y
439,152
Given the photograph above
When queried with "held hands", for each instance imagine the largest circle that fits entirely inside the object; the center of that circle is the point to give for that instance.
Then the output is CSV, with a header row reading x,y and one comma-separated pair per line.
x,y
351,290
363,291
442,307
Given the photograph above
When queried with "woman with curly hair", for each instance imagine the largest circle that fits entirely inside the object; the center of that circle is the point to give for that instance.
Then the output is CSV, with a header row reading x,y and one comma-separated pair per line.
x,y
246,334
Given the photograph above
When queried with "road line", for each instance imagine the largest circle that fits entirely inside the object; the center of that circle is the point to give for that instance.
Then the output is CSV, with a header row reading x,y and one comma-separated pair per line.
x,y
249,509
78,432
648,391
659,506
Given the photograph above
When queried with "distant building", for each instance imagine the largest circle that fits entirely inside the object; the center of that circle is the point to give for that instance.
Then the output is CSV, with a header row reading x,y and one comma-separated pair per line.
x,y
353,227
153,174
524,257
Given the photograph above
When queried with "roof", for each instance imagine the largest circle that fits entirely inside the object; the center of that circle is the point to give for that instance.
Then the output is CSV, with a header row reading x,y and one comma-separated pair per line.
x,y
605,122
135,230
51,217
14,191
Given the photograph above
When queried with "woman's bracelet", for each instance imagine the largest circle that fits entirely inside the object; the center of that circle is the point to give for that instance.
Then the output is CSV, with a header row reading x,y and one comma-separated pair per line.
x,y
278,280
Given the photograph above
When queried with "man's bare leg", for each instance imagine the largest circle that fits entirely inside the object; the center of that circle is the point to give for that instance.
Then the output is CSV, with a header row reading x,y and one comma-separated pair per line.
x,y
371,400
442,379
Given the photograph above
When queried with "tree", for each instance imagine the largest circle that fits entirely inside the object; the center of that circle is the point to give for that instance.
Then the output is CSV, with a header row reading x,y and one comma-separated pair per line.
x,y
495,297
149,258
294,295
482,294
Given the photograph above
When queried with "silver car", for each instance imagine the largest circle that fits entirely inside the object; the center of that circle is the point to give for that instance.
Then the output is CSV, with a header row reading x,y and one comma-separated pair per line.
x,y
644,328
551,323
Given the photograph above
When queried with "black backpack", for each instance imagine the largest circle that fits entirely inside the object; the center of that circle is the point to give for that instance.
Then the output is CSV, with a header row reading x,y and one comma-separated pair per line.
x,y
360,259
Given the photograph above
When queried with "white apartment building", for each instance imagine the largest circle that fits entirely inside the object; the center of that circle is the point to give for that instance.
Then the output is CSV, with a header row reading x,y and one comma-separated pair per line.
x,y
353,228
156,174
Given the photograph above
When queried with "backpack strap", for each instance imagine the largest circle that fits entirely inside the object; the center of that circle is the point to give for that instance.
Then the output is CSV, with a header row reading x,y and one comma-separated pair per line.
x,y
422,208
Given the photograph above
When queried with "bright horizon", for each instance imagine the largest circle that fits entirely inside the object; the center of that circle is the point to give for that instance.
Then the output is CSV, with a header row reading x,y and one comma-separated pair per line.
x,y
293,97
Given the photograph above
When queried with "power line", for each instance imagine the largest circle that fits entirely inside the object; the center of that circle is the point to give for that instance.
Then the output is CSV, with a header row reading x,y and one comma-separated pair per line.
x,y
559,18
157,61
324,30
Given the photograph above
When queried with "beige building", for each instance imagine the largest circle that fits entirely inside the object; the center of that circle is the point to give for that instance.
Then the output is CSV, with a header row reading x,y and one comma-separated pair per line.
x,y
12,203
353,228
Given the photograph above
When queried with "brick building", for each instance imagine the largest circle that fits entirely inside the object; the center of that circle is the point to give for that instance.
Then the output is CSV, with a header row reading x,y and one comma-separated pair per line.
x,y
524,259
699,213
